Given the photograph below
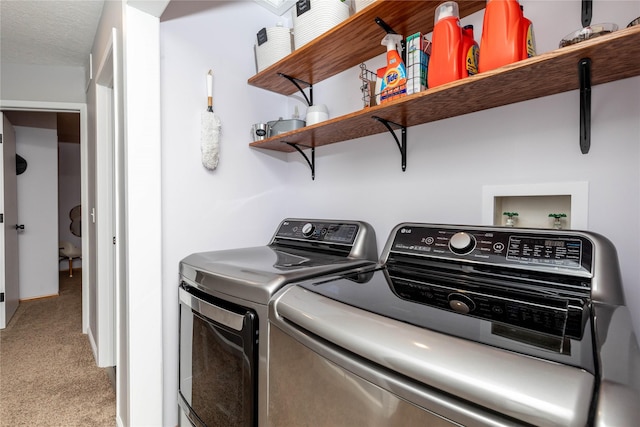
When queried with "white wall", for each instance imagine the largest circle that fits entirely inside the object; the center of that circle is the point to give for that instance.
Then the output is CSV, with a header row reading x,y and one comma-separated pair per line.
x,y
68,194
42,83
240,202
449,162
38,211
142,208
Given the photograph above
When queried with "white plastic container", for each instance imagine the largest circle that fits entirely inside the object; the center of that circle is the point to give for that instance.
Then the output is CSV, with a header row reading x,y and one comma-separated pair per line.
x,y
316,114
320,17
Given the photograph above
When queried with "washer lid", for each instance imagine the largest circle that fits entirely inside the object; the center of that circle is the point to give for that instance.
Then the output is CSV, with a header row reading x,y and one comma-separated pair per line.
x,y
533,390
256,273
379,295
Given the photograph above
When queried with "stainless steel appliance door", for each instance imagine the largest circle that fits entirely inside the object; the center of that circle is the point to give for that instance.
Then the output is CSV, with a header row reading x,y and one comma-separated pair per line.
x,y
378,367
307,389
218,362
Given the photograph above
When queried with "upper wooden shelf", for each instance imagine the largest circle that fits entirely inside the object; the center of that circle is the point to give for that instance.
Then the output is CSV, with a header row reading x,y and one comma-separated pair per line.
x,y
353,41
613,57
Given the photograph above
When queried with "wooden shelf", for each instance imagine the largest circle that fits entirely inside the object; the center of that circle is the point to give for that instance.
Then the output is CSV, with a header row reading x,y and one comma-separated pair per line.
x,y
614,57
353,41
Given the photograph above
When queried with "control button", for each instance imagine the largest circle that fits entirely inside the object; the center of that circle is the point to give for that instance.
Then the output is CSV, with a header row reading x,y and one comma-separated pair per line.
x,y
497,309
462,243
461,303
498,247
308,229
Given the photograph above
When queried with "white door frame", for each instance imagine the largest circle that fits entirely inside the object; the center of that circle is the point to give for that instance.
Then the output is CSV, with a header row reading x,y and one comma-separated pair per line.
x,y
66,107
107,202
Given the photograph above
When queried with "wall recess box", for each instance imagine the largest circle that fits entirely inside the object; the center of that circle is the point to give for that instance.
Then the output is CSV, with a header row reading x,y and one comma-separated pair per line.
x,y
534,203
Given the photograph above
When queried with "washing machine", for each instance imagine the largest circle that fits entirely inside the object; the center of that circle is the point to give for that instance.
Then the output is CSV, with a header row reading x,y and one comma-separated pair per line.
x,y
460,325
224,298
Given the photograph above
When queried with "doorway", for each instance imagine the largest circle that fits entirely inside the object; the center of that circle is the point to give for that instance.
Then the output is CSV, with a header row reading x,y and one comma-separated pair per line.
x,y
48,186
87,228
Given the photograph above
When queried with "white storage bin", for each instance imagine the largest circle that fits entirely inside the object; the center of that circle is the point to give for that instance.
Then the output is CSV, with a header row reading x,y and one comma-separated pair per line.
x,y
278,45
321,16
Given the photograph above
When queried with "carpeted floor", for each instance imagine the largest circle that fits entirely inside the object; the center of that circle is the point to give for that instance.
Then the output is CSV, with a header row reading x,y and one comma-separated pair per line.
x,y
48,376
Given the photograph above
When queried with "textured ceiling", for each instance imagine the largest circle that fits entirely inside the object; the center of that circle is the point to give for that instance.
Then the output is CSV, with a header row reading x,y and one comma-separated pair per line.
x,y
48,32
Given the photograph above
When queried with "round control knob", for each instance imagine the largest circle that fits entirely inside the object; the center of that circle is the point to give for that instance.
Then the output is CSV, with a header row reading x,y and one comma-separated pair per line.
x,y
461,303
308,229
462,243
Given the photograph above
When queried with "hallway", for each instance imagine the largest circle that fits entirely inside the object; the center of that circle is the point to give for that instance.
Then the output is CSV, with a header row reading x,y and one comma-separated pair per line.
x,y
48,375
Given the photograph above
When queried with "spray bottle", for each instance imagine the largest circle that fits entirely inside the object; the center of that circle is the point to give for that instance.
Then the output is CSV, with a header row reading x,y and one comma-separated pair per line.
x,y
445,63
394,80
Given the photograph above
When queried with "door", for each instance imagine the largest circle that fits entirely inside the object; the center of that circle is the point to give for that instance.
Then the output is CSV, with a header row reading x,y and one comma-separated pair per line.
x,y
218,362
9,277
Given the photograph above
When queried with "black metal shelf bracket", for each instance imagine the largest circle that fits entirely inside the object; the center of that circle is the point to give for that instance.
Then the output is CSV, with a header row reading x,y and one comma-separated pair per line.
x,y
584,73
297,82
402,145
312,162
587,12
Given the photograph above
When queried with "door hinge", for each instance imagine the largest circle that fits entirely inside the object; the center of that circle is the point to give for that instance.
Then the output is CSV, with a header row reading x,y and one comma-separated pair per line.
x,y
1,218
0,138
114,240
2,297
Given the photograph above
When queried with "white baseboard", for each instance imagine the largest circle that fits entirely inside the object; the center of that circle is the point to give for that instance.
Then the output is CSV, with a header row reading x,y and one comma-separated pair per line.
x,y
94,347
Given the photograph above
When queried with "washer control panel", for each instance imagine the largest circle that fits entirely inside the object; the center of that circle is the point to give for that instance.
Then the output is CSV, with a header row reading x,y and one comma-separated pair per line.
x,y
462,243
320,231
557,250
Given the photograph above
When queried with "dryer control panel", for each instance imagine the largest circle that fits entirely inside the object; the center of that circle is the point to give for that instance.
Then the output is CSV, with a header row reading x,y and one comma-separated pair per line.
x,y
320,231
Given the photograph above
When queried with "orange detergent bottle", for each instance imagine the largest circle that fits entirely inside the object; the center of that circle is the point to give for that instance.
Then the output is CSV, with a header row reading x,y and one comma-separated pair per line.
x,y
505,33
446,64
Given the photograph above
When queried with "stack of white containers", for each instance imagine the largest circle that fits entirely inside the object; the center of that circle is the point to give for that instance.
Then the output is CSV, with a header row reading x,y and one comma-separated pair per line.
x,y
316,18
277,46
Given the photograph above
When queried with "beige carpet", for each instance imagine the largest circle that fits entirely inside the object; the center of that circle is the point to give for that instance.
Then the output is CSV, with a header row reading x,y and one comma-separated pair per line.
x,y
48,376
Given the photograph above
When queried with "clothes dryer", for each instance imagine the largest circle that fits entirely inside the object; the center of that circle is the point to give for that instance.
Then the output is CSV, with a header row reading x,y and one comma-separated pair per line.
x,y
223,313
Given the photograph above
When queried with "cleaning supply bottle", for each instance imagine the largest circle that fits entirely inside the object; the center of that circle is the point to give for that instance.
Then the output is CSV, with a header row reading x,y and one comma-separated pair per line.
x,y
445,63
394,80
470,52
504,39
528,37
